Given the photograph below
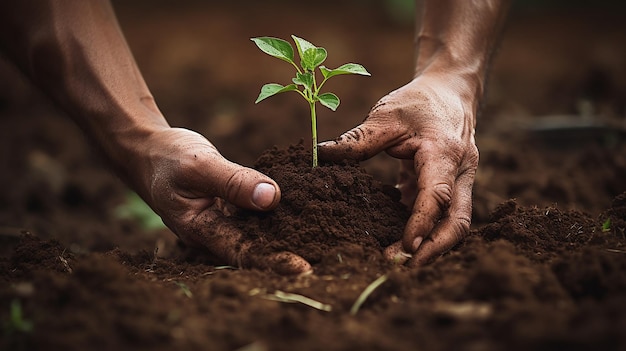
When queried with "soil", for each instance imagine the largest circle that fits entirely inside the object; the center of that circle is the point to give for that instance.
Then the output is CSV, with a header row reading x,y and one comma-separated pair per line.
x,y
543,267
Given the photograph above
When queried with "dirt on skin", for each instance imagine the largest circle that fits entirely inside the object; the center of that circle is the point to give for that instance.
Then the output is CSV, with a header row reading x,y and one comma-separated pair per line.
x,y
542,269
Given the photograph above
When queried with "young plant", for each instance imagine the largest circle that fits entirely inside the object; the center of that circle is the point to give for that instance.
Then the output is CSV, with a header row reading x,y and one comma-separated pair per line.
x,y
305,82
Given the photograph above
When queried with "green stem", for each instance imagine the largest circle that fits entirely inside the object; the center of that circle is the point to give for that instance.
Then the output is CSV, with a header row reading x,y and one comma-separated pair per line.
x,y
314,132
318,88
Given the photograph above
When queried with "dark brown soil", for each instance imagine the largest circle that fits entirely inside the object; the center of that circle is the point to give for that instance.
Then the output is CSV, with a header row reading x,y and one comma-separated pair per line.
x,y
323,209
543,267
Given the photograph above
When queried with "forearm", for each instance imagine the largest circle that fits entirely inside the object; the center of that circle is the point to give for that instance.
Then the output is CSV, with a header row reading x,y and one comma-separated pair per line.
x,y
75,52
457,38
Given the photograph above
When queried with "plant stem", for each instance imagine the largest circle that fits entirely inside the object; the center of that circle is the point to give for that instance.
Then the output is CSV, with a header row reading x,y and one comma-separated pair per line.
x,y
314,132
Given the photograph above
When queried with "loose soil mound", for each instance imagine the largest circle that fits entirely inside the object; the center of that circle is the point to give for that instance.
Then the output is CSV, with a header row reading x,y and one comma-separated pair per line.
x,y
323,209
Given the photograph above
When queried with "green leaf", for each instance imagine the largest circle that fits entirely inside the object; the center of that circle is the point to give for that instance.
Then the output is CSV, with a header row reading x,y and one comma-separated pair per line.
x,y
305,79
302,45
348,68
313,57
17,321
606,226
272,89
329,100
275,47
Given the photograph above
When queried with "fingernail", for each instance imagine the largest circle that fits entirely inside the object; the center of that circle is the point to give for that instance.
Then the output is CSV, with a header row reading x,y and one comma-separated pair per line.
x,y
263,195
416,243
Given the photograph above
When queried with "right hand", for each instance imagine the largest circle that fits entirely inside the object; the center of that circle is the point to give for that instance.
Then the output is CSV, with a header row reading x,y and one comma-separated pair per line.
x,y
429,125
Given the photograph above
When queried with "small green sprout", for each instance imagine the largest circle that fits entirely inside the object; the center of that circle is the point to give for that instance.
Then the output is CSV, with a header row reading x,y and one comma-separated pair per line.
x,y
311,57
136,209
17,322
606,226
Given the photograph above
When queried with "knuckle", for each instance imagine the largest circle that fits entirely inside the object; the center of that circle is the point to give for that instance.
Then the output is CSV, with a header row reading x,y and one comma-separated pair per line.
x,y
461,228
353,135
442,193
473,156
234,183
454,145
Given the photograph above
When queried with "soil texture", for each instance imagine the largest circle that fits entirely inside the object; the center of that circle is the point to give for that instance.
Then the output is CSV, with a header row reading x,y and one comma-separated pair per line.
x,y
543,267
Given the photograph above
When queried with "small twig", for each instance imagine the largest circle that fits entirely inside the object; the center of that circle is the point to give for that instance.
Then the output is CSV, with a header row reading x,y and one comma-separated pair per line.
x,y
616,251
366,293
65,263
155,257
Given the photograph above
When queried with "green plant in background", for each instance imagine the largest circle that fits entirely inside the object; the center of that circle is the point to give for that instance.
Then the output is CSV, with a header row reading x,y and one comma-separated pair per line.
x,y
311,57
136,209
17,322
401,11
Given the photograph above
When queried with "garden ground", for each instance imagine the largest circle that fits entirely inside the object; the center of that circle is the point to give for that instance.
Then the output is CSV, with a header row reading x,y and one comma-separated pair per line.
x,y
542,269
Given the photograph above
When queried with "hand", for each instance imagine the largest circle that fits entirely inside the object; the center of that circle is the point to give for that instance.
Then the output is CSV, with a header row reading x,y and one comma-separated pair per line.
x,y
188,182
428,124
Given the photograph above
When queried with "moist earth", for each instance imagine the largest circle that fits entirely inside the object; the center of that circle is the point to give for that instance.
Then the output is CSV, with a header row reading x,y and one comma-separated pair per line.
x,y
542,267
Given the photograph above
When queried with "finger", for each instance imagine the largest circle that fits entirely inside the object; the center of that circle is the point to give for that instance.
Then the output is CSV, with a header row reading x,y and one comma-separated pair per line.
x,y
453,228
214,232
435,182
241,186
251,189
361,142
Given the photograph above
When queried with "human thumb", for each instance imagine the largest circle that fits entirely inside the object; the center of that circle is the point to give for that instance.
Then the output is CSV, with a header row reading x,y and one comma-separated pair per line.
x,y
248,188
210,174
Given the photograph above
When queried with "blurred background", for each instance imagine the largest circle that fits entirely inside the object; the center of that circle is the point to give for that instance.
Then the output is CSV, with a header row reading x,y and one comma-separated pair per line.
x,y
551,129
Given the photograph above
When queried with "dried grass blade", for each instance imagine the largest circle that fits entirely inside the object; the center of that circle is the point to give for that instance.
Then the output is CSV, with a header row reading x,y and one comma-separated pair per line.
x,y
366,293
282,296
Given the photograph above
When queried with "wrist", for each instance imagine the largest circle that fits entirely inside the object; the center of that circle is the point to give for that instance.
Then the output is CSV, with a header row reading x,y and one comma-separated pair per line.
x,y
456,40
130,145
463,79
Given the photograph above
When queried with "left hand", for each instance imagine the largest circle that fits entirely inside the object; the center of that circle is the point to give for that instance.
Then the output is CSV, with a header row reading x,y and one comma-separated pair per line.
x,y
428,124
185,180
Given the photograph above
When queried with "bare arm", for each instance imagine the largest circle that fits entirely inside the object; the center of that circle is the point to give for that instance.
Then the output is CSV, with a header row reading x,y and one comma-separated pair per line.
x,y
75,51
458,37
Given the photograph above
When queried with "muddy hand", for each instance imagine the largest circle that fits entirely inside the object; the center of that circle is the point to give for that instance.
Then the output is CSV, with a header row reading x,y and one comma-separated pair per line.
x,y
430,127
188,181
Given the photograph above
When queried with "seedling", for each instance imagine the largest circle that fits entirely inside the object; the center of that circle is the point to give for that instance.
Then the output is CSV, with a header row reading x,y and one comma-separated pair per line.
x,y
606,226
17,322
305,82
